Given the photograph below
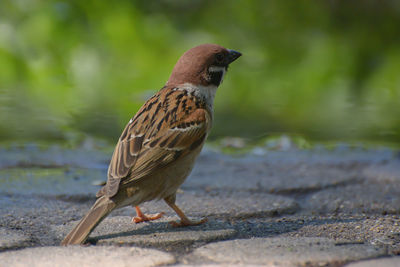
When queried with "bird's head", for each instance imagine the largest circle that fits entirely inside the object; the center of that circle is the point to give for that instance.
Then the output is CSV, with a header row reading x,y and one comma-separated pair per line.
x,y
203,65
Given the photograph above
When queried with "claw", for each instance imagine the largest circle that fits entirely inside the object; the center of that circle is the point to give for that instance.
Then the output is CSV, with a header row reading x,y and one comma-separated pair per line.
x,y
141,217
147,217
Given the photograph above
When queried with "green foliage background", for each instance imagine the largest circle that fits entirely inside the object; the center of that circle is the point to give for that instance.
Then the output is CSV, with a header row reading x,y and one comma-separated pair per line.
x,y
322,69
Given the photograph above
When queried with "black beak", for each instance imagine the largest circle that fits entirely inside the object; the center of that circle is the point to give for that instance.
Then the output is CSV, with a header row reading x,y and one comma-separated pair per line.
x,y
233,55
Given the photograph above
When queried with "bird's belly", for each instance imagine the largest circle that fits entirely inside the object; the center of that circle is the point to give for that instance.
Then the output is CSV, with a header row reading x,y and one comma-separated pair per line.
x,y
161,184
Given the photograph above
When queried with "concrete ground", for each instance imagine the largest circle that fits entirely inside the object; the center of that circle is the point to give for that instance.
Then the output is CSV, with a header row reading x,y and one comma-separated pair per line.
x,y
278,206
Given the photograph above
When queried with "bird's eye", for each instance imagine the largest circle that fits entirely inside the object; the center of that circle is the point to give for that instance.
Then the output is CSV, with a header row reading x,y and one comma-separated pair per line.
x,y
219,57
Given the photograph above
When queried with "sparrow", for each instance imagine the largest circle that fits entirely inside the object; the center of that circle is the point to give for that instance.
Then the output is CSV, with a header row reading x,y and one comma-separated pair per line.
x,y
158,147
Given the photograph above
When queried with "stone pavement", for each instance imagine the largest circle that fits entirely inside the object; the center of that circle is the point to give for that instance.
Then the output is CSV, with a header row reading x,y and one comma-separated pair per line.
x,y
271,207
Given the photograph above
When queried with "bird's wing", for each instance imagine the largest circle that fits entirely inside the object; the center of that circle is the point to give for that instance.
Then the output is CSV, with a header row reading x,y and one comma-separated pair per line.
x,y
168,126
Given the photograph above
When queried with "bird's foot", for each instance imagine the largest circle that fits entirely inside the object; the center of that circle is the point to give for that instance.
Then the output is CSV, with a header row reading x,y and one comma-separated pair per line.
x,y
147,217
188,222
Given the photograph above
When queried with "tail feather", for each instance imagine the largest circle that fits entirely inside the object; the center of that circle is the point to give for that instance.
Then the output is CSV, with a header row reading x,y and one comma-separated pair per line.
x,y
101,208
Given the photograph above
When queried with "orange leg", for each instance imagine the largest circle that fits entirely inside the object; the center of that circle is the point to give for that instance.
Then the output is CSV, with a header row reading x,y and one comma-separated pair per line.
x,y
185,221
141,217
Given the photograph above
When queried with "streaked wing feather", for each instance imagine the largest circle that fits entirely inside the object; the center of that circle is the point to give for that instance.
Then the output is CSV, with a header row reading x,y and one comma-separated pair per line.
x,y
160,156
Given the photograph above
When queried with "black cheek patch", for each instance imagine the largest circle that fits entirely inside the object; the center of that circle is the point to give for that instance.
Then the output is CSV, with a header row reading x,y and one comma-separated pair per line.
x,y
216,77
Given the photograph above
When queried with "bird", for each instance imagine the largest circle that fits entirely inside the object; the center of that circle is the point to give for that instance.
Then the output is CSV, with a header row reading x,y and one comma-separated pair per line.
x,y
158,147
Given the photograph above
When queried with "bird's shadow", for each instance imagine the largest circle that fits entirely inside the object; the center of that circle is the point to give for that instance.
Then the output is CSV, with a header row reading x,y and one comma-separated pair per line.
x,y
152,228
244,228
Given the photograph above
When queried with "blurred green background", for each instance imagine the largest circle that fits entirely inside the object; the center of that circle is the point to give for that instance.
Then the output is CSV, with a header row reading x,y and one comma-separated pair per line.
x,y
324,70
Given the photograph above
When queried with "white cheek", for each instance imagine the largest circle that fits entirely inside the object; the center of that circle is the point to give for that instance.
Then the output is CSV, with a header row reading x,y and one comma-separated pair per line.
x,y
216,69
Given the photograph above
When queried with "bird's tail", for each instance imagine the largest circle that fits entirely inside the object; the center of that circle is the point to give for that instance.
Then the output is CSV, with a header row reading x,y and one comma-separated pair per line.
x,y
96,214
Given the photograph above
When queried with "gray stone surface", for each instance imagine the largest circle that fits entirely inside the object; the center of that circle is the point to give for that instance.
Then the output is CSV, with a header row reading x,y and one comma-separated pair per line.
x,y
341,200
12,239
285,251
366,197
378,230
92,154
383,262
34,215
386,172
283,172
50,181
85,256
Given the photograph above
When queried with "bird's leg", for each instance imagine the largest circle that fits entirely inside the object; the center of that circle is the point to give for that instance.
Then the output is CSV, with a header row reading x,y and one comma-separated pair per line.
x,y
141,217
185,221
